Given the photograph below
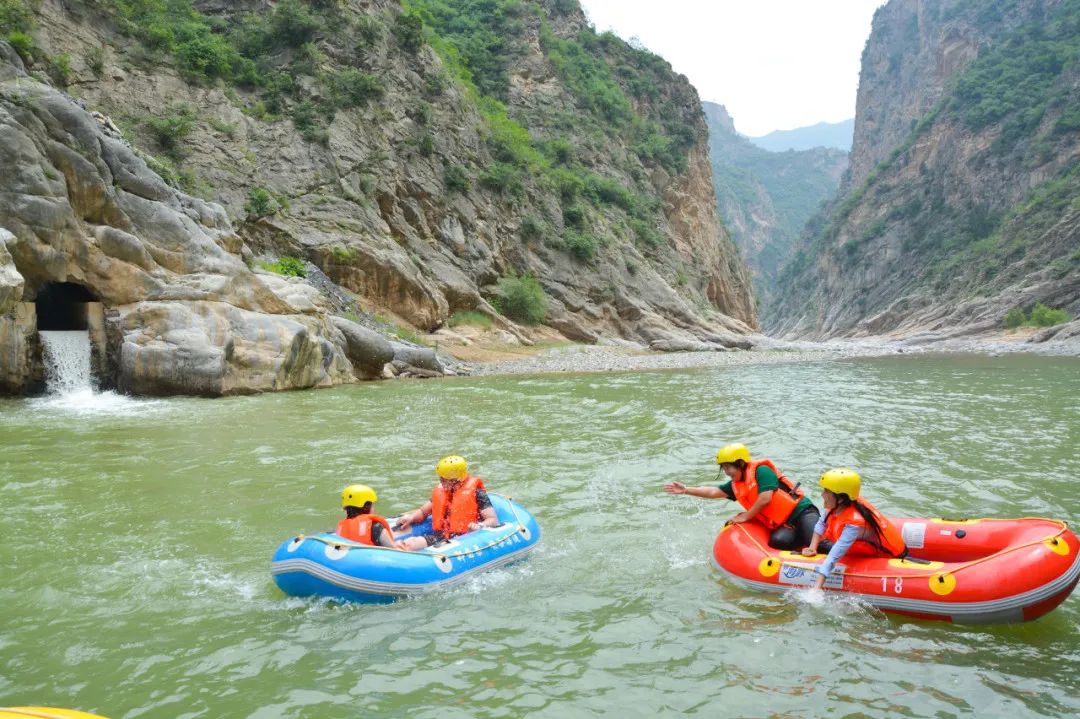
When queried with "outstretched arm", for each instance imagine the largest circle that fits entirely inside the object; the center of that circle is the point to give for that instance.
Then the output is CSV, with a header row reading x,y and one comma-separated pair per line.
x,y
703,492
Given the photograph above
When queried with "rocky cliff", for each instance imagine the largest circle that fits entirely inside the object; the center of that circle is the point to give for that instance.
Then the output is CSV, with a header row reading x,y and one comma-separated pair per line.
x,y
162,269
417,155
961,201
765,198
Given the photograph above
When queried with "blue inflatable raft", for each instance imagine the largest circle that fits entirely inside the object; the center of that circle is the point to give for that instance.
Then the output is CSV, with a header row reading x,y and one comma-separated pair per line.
x,y
327,565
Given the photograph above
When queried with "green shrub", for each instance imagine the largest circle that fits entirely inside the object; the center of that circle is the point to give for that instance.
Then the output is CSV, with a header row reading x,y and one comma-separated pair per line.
x,y
23,44
522,299
95,60
343,254
293,24
170,131
261,203
531,228
581,246
15,16
567,183
409,32
59,69
560,150
1043,316
646,234
287,266
352,88
225,128
503,178
308,118
367,30
207,55
470,318
610,192
1015,318
509,141
456,178
574,216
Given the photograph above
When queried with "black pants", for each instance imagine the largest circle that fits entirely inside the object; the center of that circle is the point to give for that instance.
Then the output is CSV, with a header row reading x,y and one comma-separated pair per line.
x,y
797,533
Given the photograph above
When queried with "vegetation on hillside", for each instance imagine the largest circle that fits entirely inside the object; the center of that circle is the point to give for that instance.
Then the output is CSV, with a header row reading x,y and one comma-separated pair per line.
x,y
477,41
306,61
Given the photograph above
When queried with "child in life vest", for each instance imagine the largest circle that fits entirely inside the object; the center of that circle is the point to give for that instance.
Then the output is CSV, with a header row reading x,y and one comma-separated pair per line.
x,y
459,504
850,524
360,524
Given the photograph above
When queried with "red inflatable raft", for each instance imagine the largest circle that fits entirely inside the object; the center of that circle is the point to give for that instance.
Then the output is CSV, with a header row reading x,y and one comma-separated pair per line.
x,y
971,571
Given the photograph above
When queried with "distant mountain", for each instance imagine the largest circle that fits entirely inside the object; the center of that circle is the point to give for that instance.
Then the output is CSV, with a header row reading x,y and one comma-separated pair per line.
x,y
765,198
824,134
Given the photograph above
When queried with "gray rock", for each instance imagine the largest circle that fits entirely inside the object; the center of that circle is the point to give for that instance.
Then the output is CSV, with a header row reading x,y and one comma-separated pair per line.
x,y
416,357
367,349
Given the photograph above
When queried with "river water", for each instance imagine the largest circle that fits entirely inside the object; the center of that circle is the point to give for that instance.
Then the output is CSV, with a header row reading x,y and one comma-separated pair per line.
x,y
137,537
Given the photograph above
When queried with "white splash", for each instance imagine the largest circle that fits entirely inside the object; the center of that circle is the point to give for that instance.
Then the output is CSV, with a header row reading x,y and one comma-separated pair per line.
x,y
67,362
69,381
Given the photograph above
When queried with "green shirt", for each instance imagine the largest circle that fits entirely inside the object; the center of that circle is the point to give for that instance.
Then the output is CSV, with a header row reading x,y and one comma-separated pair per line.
x,y
767,481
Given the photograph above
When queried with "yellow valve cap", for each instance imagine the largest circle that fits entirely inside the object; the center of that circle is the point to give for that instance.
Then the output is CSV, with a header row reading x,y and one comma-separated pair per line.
x,y
942,583
769,567
1057,545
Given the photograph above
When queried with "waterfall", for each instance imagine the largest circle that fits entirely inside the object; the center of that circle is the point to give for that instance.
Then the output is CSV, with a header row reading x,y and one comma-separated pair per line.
x,y
67,362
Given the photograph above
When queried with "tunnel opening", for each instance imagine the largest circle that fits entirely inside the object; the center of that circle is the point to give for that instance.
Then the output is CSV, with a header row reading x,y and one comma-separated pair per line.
x,y
62,307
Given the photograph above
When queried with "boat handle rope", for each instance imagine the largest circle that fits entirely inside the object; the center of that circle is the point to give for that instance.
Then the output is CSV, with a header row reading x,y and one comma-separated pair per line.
x,y
1062,527
346,544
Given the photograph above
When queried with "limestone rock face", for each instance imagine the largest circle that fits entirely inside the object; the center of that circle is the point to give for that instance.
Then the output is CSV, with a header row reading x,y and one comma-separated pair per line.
x,y
185,314
376,214
11,282
213,348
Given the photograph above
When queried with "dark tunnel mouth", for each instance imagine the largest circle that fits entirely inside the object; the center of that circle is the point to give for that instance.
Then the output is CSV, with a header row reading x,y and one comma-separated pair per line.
x,y
61,306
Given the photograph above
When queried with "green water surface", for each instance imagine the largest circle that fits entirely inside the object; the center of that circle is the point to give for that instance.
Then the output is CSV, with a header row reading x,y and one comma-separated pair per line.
x,y
137,535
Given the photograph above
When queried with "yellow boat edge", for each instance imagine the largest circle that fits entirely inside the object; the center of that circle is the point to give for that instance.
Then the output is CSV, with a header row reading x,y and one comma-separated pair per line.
x,y
45,713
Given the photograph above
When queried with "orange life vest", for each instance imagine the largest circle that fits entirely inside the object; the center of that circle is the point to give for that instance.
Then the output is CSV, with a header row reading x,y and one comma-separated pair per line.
x,y
452,512
889,541
358,528
779,508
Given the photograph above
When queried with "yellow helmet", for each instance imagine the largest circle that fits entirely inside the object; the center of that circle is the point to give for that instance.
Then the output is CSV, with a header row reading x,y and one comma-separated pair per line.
x,y
357,495
842,481
731,452
452,467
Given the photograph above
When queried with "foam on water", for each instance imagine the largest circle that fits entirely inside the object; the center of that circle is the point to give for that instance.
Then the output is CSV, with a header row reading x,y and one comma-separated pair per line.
x,y
70,384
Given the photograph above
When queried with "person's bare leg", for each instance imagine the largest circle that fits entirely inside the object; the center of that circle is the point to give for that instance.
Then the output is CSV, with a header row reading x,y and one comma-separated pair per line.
x,y
413,544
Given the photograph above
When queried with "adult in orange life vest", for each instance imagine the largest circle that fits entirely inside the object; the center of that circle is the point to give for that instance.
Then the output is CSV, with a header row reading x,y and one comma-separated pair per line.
x,y
851,525
767,496
458,504
360,524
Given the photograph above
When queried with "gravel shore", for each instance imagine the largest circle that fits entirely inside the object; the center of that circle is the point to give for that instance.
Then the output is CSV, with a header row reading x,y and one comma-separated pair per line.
x,y
594,358
608,358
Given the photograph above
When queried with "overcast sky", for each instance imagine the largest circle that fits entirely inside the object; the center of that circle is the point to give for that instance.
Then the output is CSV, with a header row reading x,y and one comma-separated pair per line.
x,y
775,64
